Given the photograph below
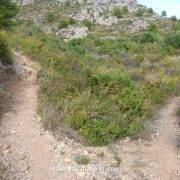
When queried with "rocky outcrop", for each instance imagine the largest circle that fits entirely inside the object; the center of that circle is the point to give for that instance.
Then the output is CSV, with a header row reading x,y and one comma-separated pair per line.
x,y
99,12
74,32
107,21
131,4
138,24
26,2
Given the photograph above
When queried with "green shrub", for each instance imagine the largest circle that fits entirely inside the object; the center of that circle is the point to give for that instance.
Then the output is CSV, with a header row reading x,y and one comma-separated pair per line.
x,y
147,37
85,1
5,53
173,18
173,39
124,9
50,17
67,3
96,133
66,22
3,171
152,28
31,46
63,24
71,21
87,23
117,159
109,46
155,93
150,10
78,120
119,12
82,159
104,45
90,86
176,26
75,45
124,43
30,28
140,12
8,10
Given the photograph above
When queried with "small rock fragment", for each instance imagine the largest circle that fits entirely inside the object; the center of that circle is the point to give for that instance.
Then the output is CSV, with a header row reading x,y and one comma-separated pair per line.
x,y
67,160
14,132
20,157
6,147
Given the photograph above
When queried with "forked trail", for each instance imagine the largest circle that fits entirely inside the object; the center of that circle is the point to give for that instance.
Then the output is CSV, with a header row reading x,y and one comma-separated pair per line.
x,y
32,153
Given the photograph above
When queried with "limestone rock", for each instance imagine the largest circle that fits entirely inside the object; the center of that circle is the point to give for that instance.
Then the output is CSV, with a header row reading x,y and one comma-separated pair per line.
x,y
74,32
67,160
26,2
20,157
107,21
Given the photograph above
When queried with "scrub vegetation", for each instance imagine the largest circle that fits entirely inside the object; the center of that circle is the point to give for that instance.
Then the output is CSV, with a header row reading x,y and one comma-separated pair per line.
x,y
102,88
7,11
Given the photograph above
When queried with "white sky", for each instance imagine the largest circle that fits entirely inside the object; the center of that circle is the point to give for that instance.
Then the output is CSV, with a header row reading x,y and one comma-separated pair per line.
x,y
172,7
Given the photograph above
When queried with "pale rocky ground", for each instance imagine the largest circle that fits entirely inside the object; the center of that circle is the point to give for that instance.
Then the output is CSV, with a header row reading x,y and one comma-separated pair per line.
x,y
32,153
96,11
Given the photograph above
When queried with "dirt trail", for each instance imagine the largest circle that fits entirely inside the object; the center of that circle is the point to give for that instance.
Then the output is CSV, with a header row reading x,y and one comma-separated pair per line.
x,y
163,150
31,153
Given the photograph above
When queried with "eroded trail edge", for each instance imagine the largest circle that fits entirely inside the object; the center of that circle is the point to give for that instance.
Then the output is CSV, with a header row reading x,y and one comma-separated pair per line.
x,y
32,153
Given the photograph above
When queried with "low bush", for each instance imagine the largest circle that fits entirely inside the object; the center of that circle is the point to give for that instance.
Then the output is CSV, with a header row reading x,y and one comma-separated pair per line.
x,y
3,171
150,10
108,46
50,17
140,12
102,88
144,12
147,37
8,10
87,23
176,26
75,45
5,53
153,28
173,39
31,46
117,159
119,12
67,3
82,160
30,28
173,18
5,58
66,22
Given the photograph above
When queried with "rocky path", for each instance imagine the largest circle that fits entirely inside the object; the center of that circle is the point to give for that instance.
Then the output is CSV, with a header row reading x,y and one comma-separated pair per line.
x,y
31,153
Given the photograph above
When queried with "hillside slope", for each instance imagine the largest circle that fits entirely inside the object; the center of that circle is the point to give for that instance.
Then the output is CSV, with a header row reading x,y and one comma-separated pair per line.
x,y
92,78
29,152
112,17
104,68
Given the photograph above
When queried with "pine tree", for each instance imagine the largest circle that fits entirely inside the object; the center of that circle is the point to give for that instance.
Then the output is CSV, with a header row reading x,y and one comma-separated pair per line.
x,y
163,14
